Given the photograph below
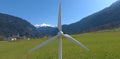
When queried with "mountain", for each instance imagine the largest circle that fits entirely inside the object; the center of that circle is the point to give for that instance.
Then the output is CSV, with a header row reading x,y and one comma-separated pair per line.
x,y
107,18
47,31
12,25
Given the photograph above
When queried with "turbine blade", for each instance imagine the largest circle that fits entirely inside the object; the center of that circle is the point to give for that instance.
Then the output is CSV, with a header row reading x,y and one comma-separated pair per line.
x,y
59,17
75,41
44,43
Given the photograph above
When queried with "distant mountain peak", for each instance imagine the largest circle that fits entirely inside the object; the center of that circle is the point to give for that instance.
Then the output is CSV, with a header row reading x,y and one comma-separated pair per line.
x,y
43,25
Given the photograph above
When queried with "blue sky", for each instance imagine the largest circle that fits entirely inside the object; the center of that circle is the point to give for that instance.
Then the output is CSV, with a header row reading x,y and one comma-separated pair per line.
x,y
46,11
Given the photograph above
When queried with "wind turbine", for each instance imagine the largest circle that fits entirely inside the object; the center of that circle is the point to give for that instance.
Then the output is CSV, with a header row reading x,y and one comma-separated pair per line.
x,y
59,36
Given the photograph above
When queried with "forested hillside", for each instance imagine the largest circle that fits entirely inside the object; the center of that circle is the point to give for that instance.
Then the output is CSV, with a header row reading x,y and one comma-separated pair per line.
x,y
12,25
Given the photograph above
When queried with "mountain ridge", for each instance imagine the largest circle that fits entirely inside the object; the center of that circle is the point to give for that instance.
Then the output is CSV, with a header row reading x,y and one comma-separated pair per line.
x,y
108,18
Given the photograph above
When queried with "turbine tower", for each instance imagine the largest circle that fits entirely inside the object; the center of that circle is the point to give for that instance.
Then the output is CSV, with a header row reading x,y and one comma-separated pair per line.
x,y
59,36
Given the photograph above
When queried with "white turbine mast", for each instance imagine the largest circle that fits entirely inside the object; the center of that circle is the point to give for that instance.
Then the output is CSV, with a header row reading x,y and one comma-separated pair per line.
x,y
59,36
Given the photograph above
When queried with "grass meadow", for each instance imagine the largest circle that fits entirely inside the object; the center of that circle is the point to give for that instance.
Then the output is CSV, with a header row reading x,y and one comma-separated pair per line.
x,y
105,45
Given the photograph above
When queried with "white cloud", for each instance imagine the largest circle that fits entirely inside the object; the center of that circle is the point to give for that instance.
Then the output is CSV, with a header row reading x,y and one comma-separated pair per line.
x,y
43,25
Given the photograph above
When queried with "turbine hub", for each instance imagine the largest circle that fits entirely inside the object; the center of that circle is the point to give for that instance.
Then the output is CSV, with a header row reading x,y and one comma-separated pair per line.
x,y
60,33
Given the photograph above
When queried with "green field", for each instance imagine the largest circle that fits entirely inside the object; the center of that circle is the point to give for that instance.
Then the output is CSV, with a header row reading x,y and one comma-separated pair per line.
x,y
105,45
